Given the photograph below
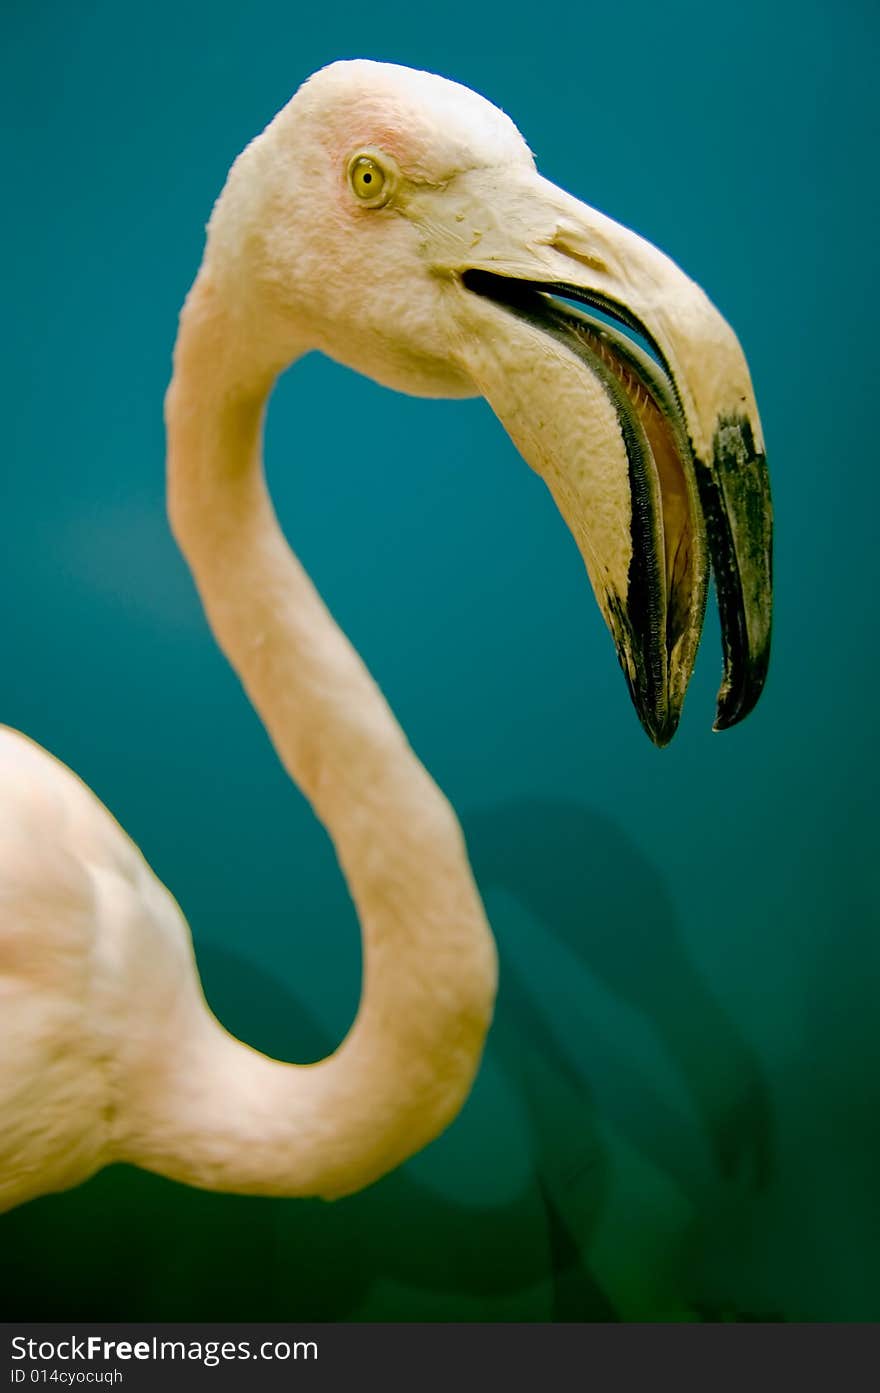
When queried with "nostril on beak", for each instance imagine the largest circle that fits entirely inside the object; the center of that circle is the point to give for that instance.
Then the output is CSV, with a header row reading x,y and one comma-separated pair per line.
x,y
562,244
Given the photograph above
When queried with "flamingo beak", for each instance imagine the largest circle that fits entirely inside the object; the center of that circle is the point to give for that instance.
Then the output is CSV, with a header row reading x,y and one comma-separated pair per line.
x,y
652,449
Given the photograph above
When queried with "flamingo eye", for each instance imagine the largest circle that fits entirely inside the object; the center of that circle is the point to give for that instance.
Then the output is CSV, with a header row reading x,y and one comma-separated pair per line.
x,y
369,181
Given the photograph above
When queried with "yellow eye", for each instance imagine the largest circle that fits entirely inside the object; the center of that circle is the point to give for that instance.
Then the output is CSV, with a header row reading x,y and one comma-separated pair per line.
x,y
368,179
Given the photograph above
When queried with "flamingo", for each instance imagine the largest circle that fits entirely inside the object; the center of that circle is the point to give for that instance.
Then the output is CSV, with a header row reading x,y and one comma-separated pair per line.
x,y
395,221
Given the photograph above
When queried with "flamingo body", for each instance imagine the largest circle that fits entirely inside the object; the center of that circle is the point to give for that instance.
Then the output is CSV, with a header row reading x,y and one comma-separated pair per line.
x,y
396,222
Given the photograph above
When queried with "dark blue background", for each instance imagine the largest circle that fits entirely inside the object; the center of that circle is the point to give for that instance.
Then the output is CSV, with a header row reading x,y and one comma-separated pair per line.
x,y
678,1112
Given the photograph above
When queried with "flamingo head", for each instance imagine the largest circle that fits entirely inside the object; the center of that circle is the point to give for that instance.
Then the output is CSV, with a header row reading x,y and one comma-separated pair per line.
x,y
396,221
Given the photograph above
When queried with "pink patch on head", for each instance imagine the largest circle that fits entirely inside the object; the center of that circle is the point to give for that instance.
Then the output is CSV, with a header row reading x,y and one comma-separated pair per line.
x,y
393,137
432,127
386,125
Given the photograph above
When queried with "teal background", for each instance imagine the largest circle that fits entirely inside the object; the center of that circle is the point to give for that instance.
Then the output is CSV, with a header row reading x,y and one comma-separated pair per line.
x,y
678,1111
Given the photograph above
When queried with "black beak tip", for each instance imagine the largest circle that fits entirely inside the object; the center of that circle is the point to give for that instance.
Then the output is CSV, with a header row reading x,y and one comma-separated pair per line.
x,y
729,714
735,702
658,719
735,496
726,720
662,737
660,733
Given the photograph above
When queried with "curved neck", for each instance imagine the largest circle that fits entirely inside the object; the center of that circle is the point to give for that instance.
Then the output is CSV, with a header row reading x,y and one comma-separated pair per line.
x,y
230,1118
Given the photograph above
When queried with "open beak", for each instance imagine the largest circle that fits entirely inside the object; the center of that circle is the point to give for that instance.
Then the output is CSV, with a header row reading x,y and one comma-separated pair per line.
x,y
653,451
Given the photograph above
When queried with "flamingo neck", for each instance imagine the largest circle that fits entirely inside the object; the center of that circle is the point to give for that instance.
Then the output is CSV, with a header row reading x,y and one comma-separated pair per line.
x,y
228,1117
